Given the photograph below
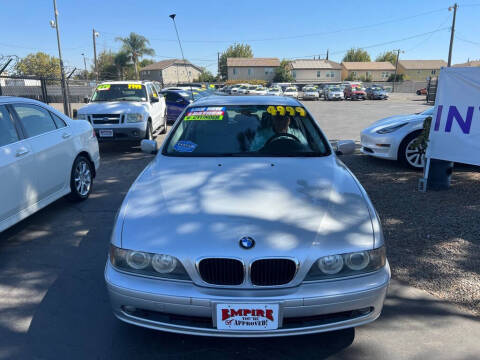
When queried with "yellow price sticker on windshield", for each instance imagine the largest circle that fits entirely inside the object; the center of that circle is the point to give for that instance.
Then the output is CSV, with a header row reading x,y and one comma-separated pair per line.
x,y
103,87
290,110
300,110
135,86
272,110
281,110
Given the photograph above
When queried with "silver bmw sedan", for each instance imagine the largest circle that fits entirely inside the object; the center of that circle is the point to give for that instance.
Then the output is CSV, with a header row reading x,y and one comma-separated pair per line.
x,y
247,224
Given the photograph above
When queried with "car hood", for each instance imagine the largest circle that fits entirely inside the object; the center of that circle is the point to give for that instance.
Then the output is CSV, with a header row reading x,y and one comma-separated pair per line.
x,y
114,107
335,93
396,120
194,207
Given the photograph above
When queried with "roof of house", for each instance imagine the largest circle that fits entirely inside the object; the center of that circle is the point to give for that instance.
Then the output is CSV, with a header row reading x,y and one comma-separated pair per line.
x,y
468,64
161,65
421,64
251,62
370,65
315,64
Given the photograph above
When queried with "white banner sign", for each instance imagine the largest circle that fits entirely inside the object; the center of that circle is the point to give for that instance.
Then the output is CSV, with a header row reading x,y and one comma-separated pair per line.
x,y
455,129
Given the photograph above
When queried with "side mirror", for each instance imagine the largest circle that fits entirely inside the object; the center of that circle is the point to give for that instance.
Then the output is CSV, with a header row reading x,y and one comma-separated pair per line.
x,y
154,99
86,100
345,147
149,146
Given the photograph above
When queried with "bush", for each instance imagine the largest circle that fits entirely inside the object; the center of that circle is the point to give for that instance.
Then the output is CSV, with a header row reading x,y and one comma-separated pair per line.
x,y
398,78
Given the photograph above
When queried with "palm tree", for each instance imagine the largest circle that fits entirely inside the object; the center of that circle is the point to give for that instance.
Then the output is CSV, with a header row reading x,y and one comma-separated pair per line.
x,y
121,61
136,47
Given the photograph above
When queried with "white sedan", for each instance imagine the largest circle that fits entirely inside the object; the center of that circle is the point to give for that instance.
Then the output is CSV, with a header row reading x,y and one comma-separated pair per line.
x,y
44,155
275,91
395,138
291,91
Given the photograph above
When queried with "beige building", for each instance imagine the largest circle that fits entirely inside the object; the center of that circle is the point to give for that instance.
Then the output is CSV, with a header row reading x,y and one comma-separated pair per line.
x,y
315,71
368,71
171,71
252,68
473,63
420,70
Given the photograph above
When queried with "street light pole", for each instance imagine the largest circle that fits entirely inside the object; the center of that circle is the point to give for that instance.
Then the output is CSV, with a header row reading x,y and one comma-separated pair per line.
x,y
66,109
396,68
172,16
452,33
85,65
94,36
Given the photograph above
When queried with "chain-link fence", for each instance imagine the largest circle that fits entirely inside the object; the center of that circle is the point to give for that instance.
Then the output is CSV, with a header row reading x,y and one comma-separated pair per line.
x,y
48,90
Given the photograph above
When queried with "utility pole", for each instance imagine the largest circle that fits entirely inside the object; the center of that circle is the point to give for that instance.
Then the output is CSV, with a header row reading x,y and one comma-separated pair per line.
x,y
396,68
85,65
327,55
54,24
218,65
452,33
94,36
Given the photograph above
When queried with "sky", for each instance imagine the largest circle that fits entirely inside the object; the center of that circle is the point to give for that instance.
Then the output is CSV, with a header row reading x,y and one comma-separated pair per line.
x,y
283,29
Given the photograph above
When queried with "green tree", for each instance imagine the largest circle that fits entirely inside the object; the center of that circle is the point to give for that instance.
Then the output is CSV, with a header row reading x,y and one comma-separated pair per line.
x,y
234,51
121,61
205,76
106,65
145,62
357,55
388,56
136,46
283,72
39,64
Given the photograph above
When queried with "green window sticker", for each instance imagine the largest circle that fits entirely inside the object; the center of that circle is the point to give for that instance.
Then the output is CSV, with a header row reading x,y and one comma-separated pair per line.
x,y
103,87
205,113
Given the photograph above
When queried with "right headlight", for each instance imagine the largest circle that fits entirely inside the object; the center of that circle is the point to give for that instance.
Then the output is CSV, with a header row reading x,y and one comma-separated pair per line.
x,y
143,263
389,129
134,117
81,116
342,265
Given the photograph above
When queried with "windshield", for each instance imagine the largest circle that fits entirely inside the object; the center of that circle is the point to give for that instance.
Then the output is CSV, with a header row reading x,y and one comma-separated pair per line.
x,y
252,87
246,130
291,89
335,89
120,92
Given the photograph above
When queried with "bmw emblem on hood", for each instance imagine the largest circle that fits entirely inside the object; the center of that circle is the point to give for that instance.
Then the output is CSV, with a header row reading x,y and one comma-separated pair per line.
x,y
247,242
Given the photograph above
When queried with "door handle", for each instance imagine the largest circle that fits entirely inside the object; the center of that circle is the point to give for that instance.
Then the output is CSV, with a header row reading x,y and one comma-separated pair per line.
x,y
22,151
66,136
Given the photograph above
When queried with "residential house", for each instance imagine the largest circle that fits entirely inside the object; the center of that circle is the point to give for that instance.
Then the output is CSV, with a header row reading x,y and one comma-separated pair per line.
x,y
171,71
315,71
372,70
252,68
473,63
420,70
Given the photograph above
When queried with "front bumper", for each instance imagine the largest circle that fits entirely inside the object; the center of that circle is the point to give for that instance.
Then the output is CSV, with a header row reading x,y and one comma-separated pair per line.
x,y
182,307
381,146
358,96
127,133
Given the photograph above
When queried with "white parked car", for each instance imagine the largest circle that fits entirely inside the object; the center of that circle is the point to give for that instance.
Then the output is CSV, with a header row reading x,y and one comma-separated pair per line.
x,y
126,110
291,91
275,91
243,89
310,93
44,155
334,93
395,138
234,89
259,90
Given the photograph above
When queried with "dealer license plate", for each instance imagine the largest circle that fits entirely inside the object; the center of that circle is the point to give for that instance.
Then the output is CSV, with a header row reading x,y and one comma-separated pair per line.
x,y
105,133
247,317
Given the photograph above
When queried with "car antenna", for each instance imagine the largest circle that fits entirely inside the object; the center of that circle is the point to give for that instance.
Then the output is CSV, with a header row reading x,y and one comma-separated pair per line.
x,y
172,16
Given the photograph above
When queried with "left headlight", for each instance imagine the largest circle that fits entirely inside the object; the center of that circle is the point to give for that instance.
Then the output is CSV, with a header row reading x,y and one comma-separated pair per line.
x,y
390,129
81,116
134,117
356,263
143,263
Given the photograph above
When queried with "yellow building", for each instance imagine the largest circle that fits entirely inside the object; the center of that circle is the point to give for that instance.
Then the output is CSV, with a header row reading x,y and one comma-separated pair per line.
x,y
367,71
420,70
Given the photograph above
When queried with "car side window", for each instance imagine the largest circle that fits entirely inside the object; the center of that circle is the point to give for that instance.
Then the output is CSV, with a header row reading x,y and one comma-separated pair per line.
x,y
172,97
8,133
35,120
58,121
149,91
154,91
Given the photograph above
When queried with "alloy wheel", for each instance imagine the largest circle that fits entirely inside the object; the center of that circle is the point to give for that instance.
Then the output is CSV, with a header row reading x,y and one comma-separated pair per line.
x,y
82,178
415,154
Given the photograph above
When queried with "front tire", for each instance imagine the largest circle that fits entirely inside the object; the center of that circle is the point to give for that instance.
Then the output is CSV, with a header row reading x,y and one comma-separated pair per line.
x,y
411,155
81,179
164,129
149,133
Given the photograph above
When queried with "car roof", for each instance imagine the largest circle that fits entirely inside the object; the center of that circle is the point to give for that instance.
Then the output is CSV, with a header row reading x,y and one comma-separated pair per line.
x,y
246,100
125,82
9,99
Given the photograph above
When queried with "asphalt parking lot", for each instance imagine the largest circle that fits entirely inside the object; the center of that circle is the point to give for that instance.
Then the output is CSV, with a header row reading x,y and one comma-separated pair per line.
x,y
53,302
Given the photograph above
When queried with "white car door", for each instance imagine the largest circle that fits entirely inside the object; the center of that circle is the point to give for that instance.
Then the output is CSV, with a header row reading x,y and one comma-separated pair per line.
x,y
154,107
52,143
16,162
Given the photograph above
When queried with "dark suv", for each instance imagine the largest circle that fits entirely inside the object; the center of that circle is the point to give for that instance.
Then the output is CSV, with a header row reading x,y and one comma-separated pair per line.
x,y
354,92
